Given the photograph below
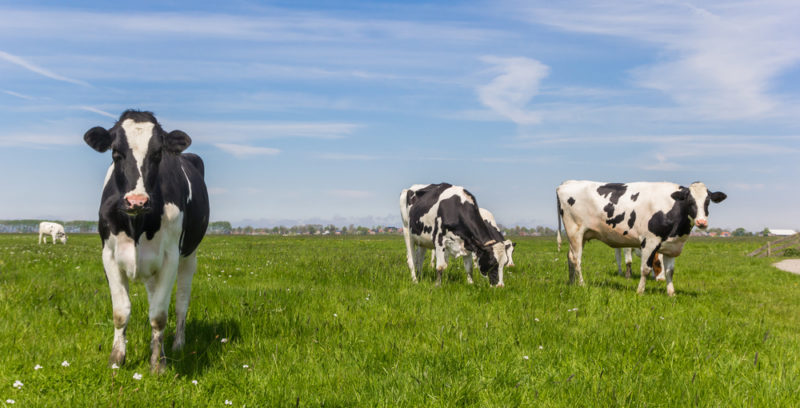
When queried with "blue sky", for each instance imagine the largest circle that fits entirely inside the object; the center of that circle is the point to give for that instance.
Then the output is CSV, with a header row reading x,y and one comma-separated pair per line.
x,y
318,111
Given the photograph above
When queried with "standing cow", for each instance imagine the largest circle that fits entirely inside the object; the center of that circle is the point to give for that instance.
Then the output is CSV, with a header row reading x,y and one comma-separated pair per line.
x,y
657,217
54,229
445,218
153,215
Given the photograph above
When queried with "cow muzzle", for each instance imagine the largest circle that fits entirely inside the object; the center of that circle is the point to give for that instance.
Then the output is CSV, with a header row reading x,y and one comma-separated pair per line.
x,y
701,223
136,204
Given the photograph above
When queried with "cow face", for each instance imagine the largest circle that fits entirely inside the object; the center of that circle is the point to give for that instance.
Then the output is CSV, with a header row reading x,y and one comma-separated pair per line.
x,y
695,200
138,145
62,237
491,261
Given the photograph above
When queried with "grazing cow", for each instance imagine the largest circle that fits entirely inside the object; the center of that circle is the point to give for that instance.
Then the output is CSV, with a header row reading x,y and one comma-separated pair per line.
x,y
654,274
153,215
657,217
445,218
54,229
488,217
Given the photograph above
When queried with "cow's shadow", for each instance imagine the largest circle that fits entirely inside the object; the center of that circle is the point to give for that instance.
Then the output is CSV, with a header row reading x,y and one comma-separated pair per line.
x,y
652,286
205,343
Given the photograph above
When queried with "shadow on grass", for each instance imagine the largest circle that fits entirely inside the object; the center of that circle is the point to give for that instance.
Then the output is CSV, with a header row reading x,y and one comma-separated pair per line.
x,y
204,345
652,286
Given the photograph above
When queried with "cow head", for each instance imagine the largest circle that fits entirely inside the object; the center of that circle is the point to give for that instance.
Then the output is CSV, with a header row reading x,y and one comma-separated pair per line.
x,y
491,261
62,237
138,145
691,199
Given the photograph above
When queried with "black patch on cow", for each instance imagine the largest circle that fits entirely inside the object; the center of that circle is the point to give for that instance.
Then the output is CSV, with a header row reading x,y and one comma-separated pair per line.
x,y
616,220
625,233
635,197
164,172
609,209
615,189
570,201
653,255
644,242
420,202
632,219
674,223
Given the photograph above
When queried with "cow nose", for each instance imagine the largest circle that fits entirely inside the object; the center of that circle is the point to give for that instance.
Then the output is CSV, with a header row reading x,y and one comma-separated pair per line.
x,y
136,200
701,223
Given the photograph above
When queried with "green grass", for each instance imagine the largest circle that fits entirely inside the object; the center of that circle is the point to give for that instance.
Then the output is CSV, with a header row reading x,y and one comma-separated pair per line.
x,y
337,322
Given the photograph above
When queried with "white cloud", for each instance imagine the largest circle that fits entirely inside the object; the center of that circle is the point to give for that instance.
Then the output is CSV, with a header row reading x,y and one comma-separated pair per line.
x,y
38,140
350,193
720,60
18,95
348,157
98,111
224,132
39,70
509,93
244,150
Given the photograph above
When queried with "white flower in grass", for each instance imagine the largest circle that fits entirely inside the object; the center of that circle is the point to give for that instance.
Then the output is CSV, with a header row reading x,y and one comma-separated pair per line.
x,y
541,347
194,382
137,376
228,402
37,367
661,317
224,340
245,366
18,384
335,315
525,357
114,366
535,319
65,363
10,401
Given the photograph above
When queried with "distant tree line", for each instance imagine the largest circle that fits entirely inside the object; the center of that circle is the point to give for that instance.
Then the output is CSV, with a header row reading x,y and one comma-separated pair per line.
x,y
32,226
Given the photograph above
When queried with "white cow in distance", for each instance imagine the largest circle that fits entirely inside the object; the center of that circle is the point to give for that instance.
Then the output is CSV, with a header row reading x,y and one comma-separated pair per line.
x,y
54,229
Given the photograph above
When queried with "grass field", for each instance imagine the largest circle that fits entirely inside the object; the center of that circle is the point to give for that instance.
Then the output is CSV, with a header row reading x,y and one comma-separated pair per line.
x,y
324,321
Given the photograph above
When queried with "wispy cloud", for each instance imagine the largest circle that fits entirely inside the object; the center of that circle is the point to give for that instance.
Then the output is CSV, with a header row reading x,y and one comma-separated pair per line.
x,y
348,157
517,82
38,140
224,132
18,95
721,60
98,111
39,70
245,151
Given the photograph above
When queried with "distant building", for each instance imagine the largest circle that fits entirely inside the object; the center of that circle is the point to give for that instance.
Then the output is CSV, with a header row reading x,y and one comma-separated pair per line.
x,y
781,232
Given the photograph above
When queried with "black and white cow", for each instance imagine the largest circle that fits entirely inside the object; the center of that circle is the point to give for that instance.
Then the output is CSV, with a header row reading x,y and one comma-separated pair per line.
x,y
657,217
488,218
153,215
54,229
445,218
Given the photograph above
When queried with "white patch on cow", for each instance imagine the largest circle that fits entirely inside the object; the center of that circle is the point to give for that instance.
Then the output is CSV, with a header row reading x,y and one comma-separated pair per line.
x,y
108,176
189,183
138,135
699,192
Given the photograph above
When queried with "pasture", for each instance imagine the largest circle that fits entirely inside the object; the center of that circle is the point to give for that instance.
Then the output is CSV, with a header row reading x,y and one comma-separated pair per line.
x,y
330,321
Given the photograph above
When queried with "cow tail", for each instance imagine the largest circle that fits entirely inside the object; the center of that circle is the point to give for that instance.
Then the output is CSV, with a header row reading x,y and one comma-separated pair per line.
x,y
558,215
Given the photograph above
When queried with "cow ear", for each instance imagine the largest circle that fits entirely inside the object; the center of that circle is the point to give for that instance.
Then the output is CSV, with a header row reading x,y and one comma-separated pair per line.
x,y
717,196
98,138
681,194
176,141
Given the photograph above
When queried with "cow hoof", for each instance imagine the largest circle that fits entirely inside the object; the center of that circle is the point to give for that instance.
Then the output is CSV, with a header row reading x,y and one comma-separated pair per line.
x,y
117,357
500,285
177,345
158,365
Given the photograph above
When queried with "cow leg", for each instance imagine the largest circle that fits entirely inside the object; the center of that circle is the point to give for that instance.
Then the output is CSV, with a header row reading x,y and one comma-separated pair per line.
x,y
658,268
40,238
419,260
668,266
628,262
441,262
120,305
649,253
410,249
468,267
574,257
186,269
159,291
54,238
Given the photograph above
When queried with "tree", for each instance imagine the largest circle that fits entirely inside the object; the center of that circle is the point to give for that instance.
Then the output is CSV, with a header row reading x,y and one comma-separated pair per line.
x,y
739,232
765,232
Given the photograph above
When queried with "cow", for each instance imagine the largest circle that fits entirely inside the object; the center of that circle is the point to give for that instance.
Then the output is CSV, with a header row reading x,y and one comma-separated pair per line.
x,y
654,274
445,218
488,218
54,229
656,217
153,214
